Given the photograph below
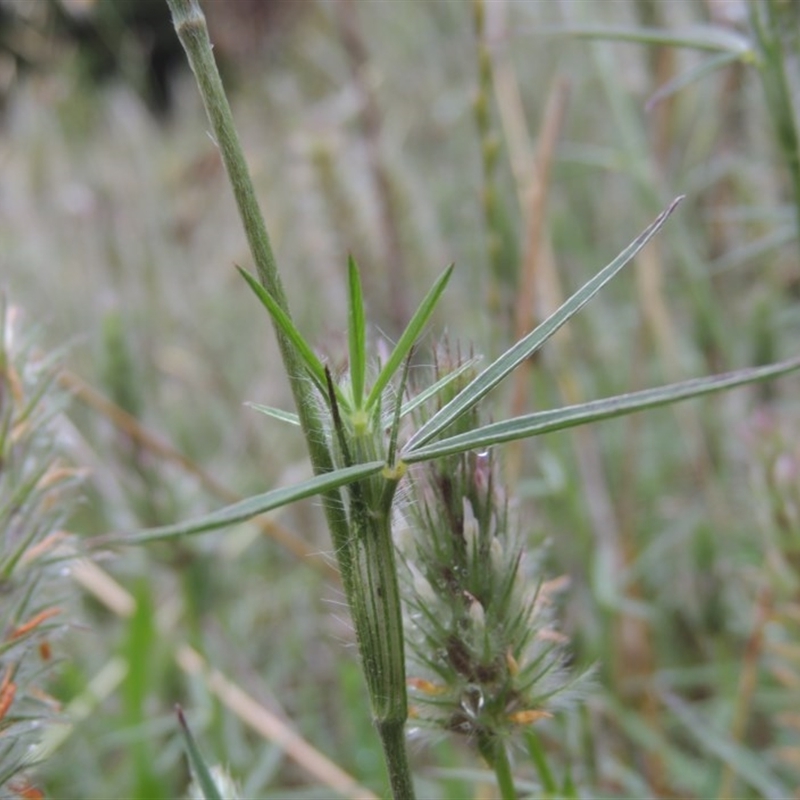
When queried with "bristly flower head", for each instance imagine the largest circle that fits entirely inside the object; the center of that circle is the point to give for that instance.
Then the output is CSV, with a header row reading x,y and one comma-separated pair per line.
x,y
485,658
35,492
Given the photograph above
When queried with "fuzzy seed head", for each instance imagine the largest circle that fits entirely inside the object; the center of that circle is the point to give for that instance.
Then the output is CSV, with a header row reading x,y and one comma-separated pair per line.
x,y
477,629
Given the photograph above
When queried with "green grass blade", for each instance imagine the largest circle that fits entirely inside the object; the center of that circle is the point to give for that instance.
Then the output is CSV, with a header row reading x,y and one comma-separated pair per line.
x,y
525,347
200,770
251,507
539,758
434,389
690,76
751,768
398,410
711,38
287,327
275,413
571,416
356,333
409,337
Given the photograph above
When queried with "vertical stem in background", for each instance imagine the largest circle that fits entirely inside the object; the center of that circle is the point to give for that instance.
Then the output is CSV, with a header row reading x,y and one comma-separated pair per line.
x,y
748,682
394,265
778,93
535,194
490,150
587,449
190,26
662,64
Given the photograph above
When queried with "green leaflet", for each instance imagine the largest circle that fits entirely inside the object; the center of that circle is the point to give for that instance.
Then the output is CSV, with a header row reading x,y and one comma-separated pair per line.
x,y
252,506
356,333
410,336
560,418
275,413
525,347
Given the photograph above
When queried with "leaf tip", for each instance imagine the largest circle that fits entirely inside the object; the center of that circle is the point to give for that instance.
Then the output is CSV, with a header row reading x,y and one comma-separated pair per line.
x,y
675,203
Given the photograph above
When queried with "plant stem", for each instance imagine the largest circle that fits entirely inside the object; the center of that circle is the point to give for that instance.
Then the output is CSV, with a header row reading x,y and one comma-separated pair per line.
x,y
393,739
778,93
190,25
490,152
494,751
502,769
377,617
365,553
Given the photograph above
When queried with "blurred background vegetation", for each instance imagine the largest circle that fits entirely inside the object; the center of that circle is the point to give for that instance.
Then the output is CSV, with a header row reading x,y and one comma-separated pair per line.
x,y
411,137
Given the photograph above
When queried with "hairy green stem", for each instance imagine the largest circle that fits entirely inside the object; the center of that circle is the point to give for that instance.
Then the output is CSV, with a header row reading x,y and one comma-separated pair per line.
x,y
378,624
192,31
377,617
393,739
363,541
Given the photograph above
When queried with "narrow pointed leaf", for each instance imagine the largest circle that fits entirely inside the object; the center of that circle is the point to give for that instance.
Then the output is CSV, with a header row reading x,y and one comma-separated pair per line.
x,y
200,770
529,344
398,411
285,324
434,389
252,506
275,413
712,38
571,416
356,331
409,337
541,761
